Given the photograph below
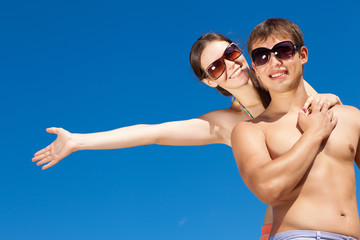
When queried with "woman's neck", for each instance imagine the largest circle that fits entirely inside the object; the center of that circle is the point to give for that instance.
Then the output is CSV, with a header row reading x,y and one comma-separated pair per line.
x,y
249,98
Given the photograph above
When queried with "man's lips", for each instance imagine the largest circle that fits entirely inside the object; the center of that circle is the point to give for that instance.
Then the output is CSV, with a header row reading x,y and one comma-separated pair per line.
x,y
278,73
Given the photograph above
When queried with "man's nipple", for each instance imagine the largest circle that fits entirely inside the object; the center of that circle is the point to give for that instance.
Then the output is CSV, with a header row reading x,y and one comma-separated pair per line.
x,y
352,149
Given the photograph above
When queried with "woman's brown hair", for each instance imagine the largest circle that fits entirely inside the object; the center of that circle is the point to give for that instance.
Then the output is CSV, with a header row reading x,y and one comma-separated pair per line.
x,y
195,54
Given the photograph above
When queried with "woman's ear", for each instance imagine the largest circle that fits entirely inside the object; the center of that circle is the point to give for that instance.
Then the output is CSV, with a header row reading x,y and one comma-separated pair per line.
x,y
210,83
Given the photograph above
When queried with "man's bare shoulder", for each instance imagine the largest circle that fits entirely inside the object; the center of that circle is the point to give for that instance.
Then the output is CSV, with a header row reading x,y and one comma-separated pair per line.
x,y
256,125
248,128
346,111
348,117
345,108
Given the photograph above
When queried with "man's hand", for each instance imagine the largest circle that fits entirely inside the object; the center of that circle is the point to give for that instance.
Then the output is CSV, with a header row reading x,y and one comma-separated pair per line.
x,y
317,119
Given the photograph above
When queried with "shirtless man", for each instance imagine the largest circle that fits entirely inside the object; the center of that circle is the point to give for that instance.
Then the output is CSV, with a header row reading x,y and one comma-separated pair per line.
x,y
302,164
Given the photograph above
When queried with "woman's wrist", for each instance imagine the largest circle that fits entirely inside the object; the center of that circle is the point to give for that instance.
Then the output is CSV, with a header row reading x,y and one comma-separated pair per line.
x,y
77,142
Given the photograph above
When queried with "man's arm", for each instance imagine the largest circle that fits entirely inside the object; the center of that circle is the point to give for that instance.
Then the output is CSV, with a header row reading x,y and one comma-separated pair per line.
x,y
357,156
198,131
268,178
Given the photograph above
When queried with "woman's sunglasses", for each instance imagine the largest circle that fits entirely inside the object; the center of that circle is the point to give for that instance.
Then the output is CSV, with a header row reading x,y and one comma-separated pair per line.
x,y
282,51
217,68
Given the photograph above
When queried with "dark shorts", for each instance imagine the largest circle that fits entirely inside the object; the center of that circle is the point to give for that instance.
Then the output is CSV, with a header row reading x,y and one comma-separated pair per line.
x,y
309,235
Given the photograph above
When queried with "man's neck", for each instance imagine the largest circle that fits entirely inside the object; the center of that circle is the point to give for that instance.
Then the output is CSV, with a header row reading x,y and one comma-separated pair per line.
x,y
289,101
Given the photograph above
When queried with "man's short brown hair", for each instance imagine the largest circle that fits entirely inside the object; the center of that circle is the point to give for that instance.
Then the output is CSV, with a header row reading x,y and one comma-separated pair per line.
x,y
276,27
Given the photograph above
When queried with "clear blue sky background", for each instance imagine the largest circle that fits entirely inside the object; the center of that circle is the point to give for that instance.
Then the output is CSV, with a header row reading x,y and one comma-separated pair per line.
x,y
91,66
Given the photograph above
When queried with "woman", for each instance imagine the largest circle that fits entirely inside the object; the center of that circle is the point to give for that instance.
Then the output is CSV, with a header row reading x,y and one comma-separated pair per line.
x,y
217,62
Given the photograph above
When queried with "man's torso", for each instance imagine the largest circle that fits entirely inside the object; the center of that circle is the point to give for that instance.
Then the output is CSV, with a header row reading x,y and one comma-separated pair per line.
x,y
325,199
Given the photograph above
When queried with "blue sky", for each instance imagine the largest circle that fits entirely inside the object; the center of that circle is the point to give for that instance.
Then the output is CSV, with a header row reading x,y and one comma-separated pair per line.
x,y
92,66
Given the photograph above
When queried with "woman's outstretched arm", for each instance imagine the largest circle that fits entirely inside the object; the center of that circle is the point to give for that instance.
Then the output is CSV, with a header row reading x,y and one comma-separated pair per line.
x,y
210,128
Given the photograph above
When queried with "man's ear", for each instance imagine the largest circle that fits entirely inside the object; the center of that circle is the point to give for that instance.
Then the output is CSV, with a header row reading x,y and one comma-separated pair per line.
x,y
253,66
210,83
304,54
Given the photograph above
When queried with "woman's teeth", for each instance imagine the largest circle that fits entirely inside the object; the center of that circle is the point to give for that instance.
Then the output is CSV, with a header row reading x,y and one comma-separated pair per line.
x,y
236,73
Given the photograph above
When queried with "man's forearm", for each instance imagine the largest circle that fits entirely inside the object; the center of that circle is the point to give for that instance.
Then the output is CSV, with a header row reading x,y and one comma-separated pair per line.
x,y
281,175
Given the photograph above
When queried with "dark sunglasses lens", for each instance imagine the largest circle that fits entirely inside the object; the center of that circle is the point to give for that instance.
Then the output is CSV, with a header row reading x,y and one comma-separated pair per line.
x,y
216,68
260,56
232,52
284,50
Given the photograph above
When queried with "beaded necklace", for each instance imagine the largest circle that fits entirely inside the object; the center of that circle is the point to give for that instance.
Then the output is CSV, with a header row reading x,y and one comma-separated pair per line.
x,y
243,108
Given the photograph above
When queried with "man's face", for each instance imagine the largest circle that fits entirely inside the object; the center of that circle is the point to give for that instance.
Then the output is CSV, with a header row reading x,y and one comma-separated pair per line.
x,y
279,75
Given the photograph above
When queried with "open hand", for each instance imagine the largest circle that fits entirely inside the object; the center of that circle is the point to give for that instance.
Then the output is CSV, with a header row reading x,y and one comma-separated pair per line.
x,y
57,150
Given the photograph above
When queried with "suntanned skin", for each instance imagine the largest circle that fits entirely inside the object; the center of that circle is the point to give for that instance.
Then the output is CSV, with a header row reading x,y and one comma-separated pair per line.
x,y
213,127
301,164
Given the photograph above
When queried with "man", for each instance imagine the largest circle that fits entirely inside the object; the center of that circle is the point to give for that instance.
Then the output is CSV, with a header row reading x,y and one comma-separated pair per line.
x,y
299,162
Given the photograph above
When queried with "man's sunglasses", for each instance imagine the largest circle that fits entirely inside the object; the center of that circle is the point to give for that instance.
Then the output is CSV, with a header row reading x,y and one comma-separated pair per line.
x,y
282,51
217,68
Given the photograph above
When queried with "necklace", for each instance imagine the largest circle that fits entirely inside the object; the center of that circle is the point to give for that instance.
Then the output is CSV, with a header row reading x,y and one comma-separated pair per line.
x,y
243,108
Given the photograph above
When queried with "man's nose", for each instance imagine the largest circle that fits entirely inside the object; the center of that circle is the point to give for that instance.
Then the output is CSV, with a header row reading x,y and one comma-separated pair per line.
x,y
274,60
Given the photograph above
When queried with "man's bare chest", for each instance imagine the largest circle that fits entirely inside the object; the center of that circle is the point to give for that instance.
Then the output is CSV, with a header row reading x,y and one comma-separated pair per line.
x,y
284,133
281,136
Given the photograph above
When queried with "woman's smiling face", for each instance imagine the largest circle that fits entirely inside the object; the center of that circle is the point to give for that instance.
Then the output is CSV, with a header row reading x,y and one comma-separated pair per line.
x,y
236,72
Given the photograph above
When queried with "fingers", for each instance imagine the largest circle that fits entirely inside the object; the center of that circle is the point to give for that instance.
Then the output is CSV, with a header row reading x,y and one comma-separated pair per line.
x,y
301,118
307,103
42,151
52,130
302,114
315,105
318,102
39,157
339,101
47,155
329,98
333,119
325,107
334,100
45,160
319,105
44,154
330,114
50,164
